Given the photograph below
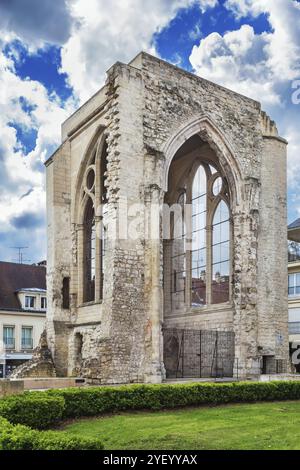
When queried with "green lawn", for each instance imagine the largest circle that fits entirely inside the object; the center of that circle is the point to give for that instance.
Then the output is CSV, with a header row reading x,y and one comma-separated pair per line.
x,y
254,426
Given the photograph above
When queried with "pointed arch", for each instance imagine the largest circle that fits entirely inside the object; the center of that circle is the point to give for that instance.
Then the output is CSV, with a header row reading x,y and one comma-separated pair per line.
x,y
198,268
92,159
210,133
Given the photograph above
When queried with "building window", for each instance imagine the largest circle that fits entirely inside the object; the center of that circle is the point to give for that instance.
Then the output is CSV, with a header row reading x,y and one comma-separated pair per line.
x,y
66,293
29,301
294,284
102,247
200,268
178,254
220,254
199,239
9,337
294,321
43,303
27,337
294,328
89,252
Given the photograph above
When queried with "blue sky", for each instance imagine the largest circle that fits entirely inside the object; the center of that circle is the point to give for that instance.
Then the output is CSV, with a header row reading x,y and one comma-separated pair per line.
x,y
53,56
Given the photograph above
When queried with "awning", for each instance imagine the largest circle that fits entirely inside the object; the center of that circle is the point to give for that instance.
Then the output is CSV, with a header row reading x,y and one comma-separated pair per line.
x,y
5,357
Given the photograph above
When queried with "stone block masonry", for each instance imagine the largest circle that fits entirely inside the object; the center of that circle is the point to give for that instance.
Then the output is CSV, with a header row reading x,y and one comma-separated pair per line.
x,y
142,136
11,387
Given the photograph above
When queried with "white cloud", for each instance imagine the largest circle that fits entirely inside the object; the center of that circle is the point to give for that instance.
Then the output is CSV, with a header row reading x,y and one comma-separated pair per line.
x,y
104,35
26,105
253,62
261,66
35,21
237,60
242,8
284,18
96,33
195,33
93,36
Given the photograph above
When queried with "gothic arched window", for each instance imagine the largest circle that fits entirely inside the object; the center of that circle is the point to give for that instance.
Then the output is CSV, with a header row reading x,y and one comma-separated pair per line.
x,y
94,198
199,242
200,254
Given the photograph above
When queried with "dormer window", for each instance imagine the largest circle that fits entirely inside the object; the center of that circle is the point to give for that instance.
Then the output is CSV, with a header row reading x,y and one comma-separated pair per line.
x,y
29,301
43,303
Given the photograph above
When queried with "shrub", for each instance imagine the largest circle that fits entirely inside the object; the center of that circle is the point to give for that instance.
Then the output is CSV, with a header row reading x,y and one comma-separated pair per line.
x,y
50,440
37,410
97,400
19,437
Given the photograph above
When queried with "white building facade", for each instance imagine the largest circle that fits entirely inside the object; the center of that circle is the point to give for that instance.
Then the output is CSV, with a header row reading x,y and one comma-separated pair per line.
x,y
23,305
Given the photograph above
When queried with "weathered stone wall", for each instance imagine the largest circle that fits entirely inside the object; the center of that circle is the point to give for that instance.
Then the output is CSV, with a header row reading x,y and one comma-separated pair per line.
x,y
11,387
41,364
272,251
148,109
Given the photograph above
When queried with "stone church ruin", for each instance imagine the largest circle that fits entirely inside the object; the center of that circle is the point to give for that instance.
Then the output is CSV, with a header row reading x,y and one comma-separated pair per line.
x,y
210,299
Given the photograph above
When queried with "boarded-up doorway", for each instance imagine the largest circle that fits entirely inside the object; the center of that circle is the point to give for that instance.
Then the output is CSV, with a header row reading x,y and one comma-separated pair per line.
x,y
198,353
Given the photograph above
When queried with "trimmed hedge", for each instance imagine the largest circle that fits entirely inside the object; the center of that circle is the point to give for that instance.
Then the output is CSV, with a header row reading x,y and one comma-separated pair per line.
x,y
40,410
21,437
37,410
98,400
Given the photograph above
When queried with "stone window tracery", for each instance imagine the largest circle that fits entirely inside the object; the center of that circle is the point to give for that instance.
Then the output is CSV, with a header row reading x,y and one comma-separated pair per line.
x,y
200,247
93,201
89,252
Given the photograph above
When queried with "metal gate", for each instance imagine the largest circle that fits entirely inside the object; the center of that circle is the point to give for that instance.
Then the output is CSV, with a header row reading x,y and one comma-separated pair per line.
x,y
198,353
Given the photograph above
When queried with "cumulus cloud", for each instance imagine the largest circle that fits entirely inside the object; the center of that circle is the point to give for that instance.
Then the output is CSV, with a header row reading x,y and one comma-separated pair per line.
x,y
249,62
262,66
284,18
105,35
206,4
36,21
28,220
93,35
25,104
242,8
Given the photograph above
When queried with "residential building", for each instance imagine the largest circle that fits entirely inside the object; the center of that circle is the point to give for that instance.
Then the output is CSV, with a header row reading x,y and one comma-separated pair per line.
x,y
294,285
23,305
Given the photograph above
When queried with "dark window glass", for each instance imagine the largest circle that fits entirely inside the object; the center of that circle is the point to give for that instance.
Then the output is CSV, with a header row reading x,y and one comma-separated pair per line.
x,y
220,254
103,173
178,256
27,338
66,292
294,284
89,252
198,255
